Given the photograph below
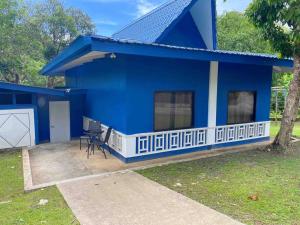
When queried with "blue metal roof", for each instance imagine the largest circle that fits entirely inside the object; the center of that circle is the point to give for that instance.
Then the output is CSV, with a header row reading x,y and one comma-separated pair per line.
x,y
125,41
131,47
39,90
150,27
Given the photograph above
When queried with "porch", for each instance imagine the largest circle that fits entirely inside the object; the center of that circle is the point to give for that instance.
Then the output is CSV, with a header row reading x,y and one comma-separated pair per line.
x,y
50,164
152,145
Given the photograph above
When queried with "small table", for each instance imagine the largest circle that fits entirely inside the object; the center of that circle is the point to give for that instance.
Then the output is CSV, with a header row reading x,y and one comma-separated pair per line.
x,y
89,135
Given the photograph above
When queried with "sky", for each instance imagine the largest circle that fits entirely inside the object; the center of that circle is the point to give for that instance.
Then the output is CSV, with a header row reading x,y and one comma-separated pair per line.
x,y
109,16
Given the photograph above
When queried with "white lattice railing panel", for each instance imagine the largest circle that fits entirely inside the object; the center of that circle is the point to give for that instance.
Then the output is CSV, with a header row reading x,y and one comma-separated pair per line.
x,y
240,132
170,140
156,142
116,139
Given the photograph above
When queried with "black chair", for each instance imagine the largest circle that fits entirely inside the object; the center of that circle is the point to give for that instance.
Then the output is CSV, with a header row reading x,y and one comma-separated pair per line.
x,y
94,128
100,144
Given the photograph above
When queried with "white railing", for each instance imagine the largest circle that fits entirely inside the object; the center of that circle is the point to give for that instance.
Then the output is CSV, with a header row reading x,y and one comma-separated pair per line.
x,y
157,142
240,132
150,143
170,140
116,138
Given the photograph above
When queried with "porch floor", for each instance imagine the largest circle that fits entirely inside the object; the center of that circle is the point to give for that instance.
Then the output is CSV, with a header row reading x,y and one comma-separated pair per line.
x,y
58,162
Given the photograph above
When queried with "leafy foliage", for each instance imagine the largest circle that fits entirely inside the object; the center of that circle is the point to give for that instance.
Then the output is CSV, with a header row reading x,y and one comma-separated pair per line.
x,y
282,80
279,22
237,33
59,26
19,43
31,35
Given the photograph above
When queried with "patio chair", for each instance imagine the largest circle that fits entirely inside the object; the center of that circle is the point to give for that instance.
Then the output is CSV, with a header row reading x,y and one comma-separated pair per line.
x,y
94,127
100,144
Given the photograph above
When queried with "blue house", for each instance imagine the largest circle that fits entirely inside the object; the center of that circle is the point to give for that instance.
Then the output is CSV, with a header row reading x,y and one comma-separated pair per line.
x,y
162,84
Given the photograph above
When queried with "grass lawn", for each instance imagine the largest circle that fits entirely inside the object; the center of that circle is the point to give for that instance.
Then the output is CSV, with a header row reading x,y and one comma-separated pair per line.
x,y
225,182
16,207
276,125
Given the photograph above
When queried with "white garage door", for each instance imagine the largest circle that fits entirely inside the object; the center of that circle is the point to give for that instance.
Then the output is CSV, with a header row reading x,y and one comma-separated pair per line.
x,y
17,128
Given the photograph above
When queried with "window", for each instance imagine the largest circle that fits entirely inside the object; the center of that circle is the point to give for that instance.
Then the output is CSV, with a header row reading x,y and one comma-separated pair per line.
x,y
6,99
173,110
241,107
23,99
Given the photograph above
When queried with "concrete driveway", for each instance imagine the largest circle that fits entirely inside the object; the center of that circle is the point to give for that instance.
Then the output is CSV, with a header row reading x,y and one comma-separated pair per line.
x,y
131,199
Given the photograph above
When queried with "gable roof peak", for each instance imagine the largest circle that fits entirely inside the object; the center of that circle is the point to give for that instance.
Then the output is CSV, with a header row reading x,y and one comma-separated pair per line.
x,y
163,5
150,27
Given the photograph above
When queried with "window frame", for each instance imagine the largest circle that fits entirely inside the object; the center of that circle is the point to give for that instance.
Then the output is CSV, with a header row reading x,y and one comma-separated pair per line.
x,y
20,94
11,98
173,115
254,105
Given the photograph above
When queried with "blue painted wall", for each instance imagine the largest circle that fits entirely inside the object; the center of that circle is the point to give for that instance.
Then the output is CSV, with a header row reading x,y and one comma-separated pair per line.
x,y
40,103
149,75
76,114
121,91
239,77
184,33
105,81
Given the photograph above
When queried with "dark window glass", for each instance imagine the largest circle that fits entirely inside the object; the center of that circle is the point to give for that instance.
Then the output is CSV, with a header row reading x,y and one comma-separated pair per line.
x,y
173,110
241,107
6,99
23,99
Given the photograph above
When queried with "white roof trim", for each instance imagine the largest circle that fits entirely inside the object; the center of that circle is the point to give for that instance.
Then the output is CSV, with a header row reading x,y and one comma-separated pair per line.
x,y
81,60
280,69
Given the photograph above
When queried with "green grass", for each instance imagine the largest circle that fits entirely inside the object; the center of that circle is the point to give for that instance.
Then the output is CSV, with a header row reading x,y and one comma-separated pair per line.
x,y
16,207
276,125
224,183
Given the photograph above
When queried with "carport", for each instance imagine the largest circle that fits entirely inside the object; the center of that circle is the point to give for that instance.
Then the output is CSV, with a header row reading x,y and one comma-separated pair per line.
x,y
32,115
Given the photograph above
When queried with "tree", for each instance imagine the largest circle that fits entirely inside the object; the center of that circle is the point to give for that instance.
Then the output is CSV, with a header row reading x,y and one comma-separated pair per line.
x,y
282,80
237,33
31,35
18,42
279,21
59,26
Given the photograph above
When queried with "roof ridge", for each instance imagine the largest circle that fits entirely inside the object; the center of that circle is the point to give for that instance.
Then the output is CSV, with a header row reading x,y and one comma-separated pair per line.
x,y
144,16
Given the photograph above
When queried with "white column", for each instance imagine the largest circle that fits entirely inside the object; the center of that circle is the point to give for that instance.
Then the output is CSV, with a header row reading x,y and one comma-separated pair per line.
x,y
267,129
212,101
128,146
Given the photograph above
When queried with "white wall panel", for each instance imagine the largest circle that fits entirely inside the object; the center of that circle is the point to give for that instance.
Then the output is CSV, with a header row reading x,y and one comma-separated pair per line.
x,y
17,128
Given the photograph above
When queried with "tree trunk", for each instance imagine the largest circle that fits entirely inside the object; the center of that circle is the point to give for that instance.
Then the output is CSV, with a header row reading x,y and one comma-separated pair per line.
x,y
283,138
50,82
12,77
17,78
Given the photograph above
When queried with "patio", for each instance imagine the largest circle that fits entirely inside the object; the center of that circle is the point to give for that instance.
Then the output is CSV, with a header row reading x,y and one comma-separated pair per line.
x,y
54,163
57,162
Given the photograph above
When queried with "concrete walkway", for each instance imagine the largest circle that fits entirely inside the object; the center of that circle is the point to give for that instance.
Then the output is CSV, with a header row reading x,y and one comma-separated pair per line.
x,y
131,199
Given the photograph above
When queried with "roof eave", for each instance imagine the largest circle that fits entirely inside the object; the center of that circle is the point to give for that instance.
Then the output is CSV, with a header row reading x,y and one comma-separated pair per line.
x,y
62,92
156,50
79,46
31,89
108,45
